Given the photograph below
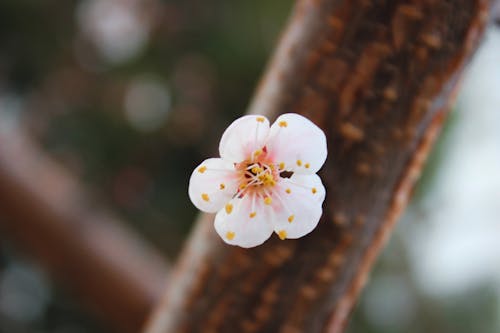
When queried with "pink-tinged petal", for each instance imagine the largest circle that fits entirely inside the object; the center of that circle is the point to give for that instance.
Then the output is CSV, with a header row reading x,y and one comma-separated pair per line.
x,y
244,222
212,184
243,137
298,206
298,143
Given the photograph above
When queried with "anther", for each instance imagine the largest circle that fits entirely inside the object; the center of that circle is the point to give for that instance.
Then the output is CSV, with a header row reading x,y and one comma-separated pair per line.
x,y
282,234
260,119
229,208
283,124
290,218
313,190
252,215
307,165
222,186
230,235
299,162
202,169
288,191
205,197
268,200
256,170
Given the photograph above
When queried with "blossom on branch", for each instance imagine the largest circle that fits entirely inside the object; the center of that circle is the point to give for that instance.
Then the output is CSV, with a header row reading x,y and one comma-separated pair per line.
x,y
265,180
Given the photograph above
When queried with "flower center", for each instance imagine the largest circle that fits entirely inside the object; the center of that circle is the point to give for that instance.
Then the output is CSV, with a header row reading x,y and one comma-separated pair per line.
x,y
257,176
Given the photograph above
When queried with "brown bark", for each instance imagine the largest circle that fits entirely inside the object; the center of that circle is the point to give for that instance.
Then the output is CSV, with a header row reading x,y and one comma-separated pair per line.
x,y
378,77
45,214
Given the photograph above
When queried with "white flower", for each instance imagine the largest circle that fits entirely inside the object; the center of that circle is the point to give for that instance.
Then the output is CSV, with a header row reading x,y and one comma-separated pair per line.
x,y
265,180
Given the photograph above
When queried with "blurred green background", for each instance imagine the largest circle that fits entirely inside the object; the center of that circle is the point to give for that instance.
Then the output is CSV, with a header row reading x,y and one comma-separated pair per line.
x,y
132,95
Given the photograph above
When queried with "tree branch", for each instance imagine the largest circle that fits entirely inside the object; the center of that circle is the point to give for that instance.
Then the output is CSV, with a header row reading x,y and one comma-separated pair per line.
x,y
378,77
44,212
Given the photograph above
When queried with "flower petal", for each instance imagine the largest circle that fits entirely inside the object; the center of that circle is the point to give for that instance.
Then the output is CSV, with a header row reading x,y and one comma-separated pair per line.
x,y
244,222
212,184
298,210
298,143
243,137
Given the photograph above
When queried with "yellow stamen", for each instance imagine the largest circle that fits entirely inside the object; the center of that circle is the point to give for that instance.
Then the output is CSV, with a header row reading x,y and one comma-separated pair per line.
x,y
242,186
282,234
282,166
268,200
290,218
252,215
299,162
256,170
230,235
229,208
283,124
313,190
260,119
205,197
267,179
257,152
202,169
307,165
222,186
288,191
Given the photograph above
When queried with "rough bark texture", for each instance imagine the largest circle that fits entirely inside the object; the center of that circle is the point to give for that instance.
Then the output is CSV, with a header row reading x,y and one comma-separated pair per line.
x,y
378,78
45,214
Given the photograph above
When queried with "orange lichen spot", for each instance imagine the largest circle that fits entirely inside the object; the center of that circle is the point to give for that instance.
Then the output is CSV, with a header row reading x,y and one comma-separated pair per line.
x,y
288,191
252,215
229,208
351,132
411,11
431,40
334,22
202,169
268,200
283,124
282,234
290,218
260,119
307,165
340,218
363,168
230,235
309,292
299,162
313,190
222,186
390,94
326,274
205,197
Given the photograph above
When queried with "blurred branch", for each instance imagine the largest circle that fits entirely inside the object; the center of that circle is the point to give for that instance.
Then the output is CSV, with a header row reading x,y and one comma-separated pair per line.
x,y
496,12
379,78
44,212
